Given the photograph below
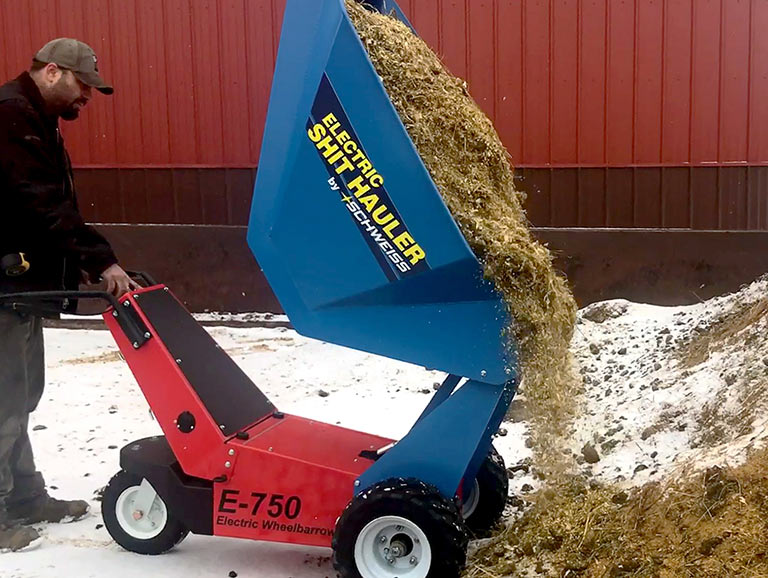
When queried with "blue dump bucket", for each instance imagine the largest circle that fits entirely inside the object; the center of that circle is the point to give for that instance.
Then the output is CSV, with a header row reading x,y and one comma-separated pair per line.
x,y
347,224
360,249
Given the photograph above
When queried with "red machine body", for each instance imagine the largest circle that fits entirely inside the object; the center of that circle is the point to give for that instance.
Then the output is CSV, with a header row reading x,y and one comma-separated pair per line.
x,y
291,480
274,477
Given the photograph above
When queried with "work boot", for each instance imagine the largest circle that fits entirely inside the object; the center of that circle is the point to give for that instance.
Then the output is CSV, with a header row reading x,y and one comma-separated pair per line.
x,y
15,538
47,509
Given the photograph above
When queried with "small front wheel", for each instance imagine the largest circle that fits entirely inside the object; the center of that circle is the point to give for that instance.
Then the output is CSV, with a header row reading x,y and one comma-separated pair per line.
x,y
137,518
400,529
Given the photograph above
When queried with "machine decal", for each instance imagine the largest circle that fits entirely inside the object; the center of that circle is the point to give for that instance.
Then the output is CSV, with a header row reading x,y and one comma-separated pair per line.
x,y
234,504
361,187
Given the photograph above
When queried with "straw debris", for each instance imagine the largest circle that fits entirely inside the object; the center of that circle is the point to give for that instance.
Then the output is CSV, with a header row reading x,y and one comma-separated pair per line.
x,y
472,171
713,524
722,330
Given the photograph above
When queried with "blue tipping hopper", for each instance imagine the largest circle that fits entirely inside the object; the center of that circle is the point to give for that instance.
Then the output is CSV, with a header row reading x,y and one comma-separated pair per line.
x,y
359,247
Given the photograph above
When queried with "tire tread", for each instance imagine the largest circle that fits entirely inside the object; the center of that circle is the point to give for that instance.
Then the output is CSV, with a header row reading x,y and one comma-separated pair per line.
x,y
401,497
494,489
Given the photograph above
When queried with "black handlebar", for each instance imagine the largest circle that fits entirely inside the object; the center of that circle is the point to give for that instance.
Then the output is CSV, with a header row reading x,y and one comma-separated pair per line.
x,y
33,299
30,298
130,322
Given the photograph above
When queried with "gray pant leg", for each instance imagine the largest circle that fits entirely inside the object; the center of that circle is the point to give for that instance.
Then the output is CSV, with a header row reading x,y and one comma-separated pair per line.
x,y
22,378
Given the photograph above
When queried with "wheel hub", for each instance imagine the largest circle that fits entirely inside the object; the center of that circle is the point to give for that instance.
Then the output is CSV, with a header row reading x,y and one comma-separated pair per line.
x,y
141,513
392,547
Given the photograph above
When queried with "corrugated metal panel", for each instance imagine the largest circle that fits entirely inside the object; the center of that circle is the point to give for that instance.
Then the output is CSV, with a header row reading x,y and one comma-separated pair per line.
x,y
233,59
619,198
150,51
647,185
481,49
592,82
734,84
758,103
564,81
180,86
564,198
620,97
705,84
456,37
175,196
535,32
509,71
261,56
206,69
704,198
676,111
426,16
102,146
123,72
648,81
733,198
675,198
568,82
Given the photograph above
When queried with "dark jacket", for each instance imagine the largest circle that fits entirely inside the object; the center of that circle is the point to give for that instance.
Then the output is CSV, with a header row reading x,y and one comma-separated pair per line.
x,y
38,206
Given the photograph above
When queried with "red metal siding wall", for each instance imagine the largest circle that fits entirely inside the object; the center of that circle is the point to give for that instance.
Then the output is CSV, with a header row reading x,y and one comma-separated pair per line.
x,y
702,198
568,82
618,113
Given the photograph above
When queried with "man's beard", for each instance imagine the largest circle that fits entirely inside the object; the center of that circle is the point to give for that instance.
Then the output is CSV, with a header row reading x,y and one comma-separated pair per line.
x,y
62,104
70,113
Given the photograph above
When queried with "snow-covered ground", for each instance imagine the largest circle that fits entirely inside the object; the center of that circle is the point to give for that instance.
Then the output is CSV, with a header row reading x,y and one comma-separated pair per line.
x,y
653,404
672,388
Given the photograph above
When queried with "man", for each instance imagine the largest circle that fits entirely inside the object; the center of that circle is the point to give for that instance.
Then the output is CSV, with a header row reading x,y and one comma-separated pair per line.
x,y
44,245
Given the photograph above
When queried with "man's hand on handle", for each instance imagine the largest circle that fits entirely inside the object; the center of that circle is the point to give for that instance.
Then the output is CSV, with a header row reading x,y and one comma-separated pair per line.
x,y
118,282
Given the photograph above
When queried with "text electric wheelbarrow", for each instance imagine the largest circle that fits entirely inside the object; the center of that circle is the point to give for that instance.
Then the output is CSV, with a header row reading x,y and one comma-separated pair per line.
x,y
361,251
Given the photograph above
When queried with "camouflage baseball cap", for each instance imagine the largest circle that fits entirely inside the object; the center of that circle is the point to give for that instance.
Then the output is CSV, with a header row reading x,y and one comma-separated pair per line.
x,y
76,56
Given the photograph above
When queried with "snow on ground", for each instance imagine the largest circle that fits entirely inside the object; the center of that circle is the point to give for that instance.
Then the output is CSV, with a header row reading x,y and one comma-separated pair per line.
x,y
646,411
654,405
212,317
208,318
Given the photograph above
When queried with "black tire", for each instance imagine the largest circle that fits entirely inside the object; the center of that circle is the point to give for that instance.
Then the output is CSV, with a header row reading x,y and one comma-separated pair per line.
x,y
492,488
172,533
423,506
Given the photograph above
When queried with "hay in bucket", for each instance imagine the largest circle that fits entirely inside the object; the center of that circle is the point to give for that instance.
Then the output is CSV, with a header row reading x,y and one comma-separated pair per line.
x,y
472,171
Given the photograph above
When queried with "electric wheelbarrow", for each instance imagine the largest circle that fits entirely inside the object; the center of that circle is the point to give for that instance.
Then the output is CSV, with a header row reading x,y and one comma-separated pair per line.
x,y
361,251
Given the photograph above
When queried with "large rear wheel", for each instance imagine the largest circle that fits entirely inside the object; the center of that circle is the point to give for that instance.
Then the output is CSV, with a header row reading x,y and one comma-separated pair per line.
x,y
400,529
